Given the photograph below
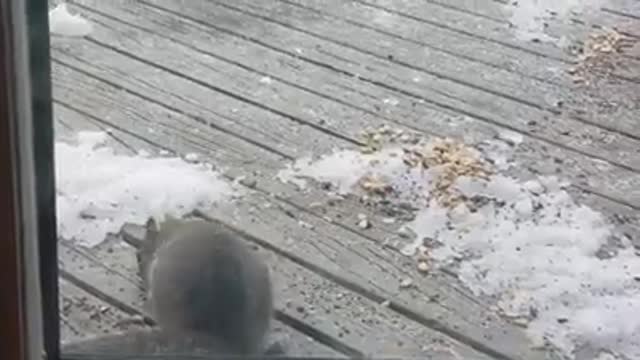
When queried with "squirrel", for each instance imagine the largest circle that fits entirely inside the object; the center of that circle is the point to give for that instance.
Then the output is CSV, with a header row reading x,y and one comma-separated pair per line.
x,y
202,279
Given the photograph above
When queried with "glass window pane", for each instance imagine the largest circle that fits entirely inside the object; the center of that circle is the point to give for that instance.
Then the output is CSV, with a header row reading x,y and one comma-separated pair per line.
x,y
330,178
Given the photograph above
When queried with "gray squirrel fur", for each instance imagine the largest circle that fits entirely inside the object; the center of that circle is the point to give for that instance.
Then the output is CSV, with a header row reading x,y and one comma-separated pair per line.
x,y
203,279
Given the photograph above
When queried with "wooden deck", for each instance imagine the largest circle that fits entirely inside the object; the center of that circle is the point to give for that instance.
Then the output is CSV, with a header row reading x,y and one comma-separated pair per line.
x,y
195,71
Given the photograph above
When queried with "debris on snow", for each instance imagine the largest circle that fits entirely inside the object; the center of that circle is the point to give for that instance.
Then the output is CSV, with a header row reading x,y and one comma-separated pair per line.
x,y
530,19
597,55
61,22
409,172
191,157
98,190
526,244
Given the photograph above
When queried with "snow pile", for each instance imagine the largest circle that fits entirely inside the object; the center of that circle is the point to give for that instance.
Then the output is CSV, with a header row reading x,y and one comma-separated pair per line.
x,y
344,169
526,244
61,22
98,190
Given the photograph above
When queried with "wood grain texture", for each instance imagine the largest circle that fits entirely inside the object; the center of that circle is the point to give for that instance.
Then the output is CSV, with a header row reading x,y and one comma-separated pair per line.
x,y
344,316
348,255
320,88
568,31
477,100
84,316
109,268
251,86
586,151
522,77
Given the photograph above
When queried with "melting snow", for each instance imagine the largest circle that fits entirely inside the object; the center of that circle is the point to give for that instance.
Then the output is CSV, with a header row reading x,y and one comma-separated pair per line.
x,y
526,244
98,190
530,16
61,22
344,168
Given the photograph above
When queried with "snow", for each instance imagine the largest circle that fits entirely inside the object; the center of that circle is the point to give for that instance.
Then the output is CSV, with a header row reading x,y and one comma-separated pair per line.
x,y
530,17
525,244
344,168
61,22
98,189
192,157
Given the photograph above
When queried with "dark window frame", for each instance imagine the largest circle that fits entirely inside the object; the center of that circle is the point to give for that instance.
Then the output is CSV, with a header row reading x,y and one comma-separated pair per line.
x,y
12,332
28,256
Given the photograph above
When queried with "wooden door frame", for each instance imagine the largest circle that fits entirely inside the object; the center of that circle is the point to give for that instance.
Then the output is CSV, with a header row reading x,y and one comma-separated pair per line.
x,y
27,195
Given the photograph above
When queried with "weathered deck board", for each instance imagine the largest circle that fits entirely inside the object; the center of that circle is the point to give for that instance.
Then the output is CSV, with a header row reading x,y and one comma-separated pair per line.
x,y
348,254
69,122
477,28
440,50
612,14
632,12
110,265
343,254
538,158
622,119
83,315
432,39
497,11
542,82
536,102
313,241
551,137
249,94
478,100
132,103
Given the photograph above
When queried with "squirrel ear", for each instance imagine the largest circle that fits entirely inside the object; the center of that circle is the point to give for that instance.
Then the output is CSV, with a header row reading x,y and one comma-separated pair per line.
x,y
151,224
151,232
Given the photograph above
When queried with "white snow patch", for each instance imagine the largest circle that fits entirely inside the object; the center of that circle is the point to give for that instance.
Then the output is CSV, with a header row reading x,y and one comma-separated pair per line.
x,y
530,16
539,252
98,190
192,157
391,101
528,245
61,22
343,169
606,356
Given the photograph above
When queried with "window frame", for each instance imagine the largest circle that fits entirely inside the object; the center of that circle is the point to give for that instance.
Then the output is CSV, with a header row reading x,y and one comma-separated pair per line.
x,y
28,256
